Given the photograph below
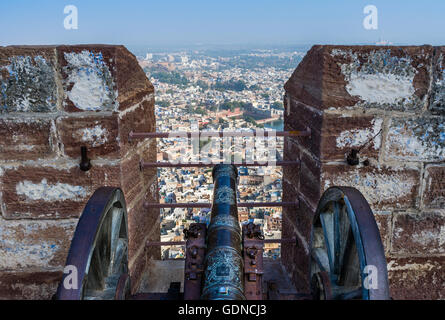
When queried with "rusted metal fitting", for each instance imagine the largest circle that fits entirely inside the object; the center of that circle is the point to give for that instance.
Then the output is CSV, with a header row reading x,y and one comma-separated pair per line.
x,y
85,163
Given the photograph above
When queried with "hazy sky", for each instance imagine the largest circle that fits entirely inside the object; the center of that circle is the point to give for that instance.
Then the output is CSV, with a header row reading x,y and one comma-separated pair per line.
x,y
188,22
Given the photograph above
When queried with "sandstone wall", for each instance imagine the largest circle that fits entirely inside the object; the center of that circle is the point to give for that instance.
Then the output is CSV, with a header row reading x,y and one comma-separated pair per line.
x,y
347,95
52,101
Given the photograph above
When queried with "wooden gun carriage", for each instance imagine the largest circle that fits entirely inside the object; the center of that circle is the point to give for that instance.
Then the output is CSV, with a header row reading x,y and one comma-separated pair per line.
x,y
223,260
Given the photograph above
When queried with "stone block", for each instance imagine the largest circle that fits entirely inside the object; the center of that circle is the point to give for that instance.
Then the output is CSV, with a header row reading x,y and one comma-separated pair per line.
x,y
291,153
45,192
135,181
310,171
297,222
301,117
29,244
305,84
88,78
35,285
101,78
383,187
98,133
418,233
434,187
417,278
143,224
383,220
416,139
138,118
132,82
25,139
28,79
341,133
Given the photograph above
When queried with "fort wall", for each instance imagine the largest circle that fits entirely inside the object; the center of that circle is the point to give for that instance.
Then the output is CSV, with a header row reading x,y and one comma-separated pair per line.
x,y
390,102
53,100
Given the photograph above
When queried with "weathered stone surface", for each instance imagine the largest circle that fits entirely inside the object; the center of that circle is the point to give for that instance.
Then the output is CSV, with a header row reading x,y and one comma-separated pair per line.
x,y
88,75
31,285
138,118
101,78
132,83
28,79
417,278
291,153
137,269
419,233
143,224
98,133
416,139
134,181
133,184
139,187
305,84
347,95
334,135
382,187
297,223
383,220
52,192
390,78
310,170
300,117
111,96
340,134
437,102
434,190
288,225
34,244
25,139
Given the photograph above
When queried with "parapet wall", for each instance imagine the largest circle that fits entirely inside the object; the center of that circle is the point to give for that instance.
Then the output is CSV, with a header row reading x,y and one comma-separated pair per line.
x,y
349,95
52,101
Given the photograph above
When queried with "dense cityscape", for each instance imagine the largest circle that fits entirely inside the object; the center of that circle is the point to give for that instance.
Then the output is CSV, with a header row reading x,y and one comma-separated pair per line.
x,y
217,90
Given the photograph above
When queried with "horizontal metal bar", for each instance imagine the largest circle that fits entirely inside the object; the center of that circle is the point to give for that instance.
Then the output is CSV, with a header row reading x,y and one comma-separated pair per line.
x,y
144,164
247,241
148,205
292,240
164,243
197,134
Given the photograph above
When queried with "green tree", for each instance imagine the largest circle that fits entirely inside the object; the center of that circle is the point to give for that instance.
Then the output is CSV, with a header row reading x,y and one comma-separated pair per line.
x,y
203,85
277,105
171,78
232,85
163,104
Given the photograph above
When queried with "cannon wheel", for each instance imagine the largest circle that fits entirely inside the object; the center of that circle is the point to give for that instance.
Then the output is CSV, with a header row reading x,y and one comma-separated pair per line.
x,y
347,258
99,250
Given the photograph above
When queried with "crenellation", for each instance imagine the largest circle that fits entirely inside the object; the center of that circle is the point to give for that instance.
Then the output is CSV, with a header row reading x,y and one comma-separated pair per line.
x,y
437,100
360,91
89,96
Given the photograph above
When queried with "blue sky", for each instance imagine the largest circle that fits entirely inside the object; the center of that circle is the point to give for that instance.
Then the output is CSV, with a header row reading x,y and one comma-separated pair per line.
x,y
189,22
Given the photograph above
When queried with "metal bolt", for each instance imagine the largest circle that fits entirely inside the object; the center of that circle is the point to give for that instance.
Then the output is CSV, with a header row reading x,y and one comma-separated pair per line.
x,y
85,163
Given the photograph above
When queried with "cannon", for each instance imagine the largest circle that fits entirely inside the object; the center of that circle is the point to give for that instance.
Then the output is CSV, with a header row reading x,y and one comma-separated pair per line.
x,y
224,261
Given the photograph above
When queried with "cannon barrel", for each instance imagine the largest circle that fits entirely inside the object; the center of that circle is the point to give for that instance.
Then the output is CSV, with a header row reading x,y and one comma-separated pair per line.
x,y
224,263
